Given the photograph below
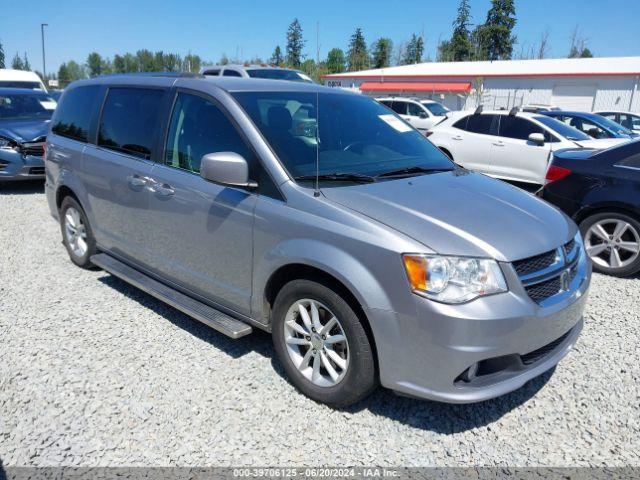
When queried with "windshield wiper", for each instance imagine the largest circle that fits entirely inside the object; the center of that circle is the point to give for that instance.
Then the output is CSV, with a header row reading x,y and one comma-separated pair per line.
x,y
408,171
339,177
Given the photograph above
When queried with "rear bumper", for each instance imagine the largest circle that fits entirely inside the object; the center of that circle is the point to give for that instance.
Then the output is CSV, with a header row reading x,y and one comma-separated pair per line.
x,y
15,167
508,337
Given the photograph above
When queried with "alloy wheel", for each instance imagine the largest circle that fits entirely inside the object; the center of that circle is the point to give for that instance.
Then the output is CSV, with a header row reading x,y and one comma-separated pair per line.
x,y
75,232
316,342
612,243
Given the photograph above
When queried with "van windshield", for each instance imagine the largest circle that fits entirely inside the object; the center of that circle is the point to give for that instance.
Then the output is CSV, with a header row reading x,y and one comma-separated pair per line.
x,y
357,135
26,105
20,84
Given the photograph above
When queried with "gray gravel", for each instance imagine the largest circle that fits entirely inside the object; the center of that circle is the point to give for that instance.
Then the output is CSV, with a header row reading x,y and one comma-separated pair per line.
x,y
96,373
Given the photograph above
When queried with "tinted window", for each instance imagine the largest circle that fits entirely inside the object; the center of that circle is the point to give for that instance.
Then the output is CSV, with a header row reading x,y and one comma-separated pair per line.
x,y
436,109
20,84
462,123
484,124
199,127
129,118
231,73
279,74
73,114
399,107
414,110
517,127
566,131
212,73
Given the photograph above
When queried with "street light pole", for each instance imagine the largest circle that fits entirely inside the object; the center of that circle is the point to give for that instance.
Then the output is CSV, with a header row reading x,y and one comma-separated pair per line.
x,y
44,65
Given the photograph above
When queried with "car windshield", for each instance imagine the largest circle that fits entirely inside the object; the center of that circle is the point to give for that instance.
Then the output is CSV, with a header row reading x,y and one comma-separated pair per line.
x,y
611,125
20,84
278,74
435,108
26,105
357,138
562,129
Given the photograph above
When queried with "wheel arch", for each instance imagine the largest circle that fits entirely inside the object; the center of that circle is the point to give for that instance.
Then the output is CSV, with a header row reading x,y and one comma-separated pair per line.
x,y
623,208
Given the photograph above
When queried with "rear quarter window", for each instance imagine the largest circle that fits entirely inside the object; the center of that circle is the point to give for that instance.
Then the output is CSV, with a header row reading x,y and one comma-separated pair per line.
x,y
72,117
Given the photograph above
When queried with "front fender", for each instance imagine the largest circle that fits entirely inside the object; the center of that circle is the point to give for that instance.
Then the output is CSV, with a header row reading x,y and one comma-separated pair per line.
x,y
330,259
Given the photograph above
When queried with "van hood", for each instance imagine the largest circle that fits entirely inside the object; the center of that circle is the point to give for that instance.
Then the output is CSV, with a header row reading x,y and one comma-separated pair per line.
x,y
461,213
603,143
24,130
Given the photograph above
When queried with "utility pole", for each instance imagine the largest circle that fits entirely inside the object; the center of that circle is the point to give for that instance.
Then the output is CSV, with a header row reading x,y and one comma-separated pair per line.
x,y
44,64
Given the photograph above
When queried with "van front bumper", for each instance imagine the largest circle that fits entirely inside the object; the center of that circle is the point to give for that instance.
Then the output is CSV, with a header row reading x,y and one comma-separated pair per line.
x,y
507,338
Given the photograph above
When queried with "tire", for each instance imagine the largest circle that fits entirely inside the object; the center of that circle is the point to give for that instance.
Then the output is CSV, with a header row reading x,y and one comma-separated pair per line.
x,y
358,379
601,251
84,246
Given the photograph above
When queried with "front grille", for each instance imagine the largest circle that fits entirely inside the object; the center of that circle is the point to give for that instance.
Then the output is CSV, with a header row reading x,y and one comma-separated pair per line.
x,y
539,354
542,274
536,263
36,171
35,149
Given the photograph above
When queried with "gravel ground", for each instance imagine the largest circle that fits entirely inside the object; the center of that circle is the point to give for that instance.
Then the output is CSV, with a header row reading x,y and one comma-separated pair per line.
x,y
96,373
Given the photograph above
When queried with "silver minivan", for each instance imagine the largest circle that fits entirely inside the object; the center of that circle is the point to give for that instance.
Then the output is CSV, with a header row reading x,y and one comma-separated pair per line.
x,y
322,217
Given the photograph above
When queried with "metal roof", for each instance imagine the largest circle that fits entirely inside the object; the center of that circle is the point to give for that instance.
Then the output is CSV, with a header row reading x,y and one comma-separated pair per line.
x,y
602,66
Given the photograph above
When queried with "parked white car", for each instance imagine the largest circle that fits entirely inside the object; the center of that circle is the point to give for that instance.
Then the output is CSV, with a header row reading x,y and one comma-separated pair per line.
x,y
422,114
629,120
20,79
512,145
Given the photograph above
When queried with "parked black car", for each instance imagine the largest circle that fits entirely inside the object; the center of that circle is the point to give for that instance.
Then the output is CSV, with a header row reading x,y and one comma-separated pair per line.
x,y
600,190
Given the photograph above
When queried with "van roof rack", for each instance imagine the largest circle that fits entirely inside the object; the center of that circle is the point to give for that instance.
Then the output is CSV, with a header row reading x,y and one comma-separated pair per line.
x,y
155,74
514,111
478,110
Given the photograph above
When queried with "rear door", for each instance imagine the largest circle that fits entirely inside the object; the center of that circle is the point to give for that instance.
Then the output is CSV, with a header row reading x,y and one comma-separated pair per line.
x,y
471,141
201,232
514,157
117,168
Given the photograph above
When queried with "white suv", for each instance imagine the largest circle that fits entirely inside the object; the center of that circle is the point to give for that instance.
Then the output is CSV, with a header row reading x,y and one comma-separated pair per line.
x,y
509,145
422,114
255,71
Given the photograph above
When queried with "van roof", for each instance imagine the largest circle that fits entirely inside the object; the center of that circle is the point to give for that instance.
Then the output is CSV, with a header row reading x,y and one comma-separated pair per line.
x,y
25,75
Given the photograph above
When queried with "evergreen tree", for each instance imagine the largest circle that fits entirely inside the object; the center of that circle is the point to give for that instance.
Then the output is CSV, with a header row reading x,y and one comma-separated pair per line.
x,y
460,44
17,63
131,63
414,50
191,63
25,63
586,53
94,64
381,53
276,57
357,57
63,75
1,56
496,35
145,60
335,61
119,65
295,44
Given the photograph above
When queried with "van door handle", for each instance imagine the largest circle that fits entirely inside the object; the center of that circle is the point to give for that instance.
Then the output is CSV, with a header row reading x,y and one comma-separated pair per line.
x,y
163,190
136,181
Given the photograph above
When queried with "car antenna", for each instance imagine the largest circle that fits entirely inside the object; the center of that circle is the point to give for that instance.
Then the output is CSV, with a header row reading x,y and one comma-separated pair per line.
x,y
514,111
478,110
316,192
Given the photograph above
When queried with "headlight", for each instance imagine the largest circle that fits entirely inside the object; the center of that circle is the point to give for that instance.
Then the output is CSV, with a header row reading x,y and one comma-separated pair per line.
x,y
6,143
453,279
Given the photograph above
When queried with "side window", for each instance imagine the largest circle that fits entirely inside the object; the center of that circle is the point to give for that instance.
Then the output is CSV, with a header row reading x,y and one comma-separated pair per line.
x,y
212,72
231,73
399,107
199,127
73,115
483,124
462,123
517,127
129,120
414,110
630,162
588,127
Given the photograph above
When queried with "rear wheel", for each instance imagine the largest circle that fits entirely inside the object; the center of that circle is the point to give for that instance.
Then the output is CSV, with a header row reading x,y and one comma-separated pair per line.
x,y
612,241
322,344
76,233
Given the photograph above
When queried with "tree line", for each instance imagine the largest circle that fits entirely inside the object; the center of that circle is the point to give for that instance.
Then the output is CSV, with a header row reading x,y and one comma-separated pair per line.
x,y
492,39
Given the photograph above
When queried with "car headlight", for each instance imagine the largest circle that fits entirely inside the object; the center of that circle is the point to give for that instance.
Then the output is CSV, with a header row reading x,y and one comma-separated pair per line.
x,y
453,279
7,143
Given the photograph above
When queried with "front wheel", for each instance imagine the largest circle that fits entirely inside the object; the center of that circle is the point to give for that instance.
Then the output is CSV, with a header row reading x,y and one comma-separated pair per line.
x,y
612,241
322,345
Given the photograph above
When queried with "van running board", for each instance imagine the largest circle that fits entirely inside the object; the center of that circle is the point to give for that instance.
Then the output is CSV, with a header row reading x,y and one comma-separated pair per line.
x,y
204,313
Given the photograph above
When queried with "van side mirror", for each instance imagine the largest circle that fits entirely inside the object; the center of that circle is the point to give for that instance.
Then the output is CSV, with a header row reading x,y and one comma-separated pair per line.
x,y
226,168
537,138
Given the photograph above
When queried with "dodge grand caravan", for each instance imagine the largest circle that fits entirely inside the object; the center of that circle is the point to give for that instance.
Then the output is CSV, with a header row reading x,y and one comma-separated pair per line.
x,y
369,255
